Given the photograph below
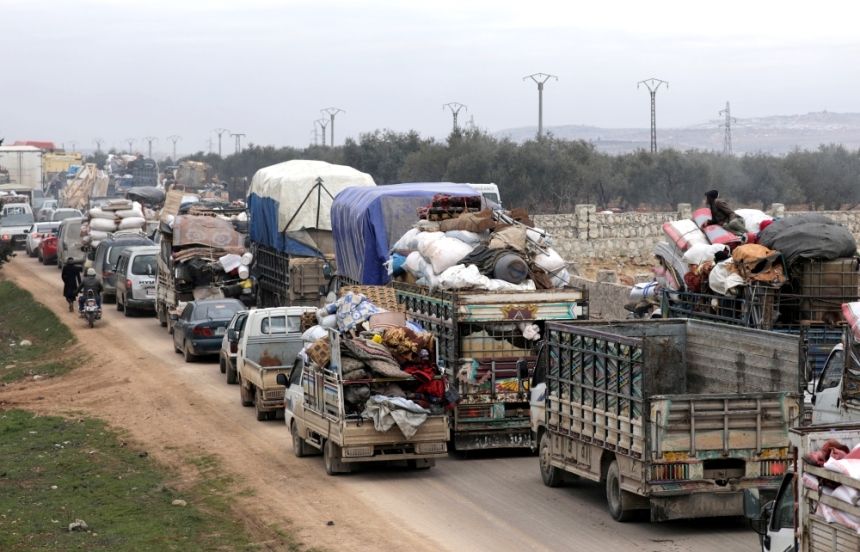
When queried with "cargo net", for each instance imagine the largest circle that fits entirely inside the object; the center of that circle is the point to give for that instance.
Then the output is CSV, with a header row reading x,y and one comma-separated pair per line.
x,y
755,306
489,353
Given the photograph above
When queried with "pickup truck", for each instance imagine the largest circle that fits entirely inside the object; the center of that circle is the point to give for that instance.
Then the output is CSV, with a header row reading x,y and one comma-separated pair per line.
x,y
676,417
318,418
803,518
270,342
836,390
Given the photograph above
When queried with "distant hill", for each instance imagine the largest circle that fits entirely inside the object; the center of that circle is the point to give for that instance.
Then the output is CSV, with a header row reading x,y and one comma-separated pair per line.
x,y
775,134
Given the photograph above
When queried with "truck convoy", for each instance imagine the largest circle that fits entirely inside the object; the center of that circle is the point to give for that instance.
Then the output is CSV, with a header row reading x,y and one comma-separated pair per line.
x,y
676,417
291,231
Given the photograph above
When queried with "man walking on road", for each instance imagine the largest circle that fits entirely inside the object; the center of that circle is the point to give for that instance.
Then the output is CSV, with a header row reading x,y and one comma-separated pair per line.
x,y
71,280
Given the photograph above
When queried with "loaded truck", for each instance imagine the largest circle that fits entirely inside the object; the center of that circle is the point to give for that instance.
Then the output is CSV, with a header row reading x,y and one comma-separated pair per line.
x,y
290,229
23,165
814,510
270,341
674,417
320,419
481,344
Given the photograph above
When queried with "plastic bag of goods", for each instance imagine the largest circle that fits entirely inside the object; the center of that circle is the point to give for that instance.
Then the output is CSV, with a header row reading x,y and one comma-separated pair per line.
x,y
424,239
646,291
560,279
415,264
230,262
699,253
551,262
408,241
132,223
102,225
97,213
445,253
465,236
723,278
313,333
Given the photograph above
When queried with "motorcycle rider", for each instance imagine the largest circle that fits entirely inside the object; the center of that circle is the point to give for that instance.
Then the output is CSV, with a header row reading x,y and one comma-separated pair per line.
x,y
89,283
71,280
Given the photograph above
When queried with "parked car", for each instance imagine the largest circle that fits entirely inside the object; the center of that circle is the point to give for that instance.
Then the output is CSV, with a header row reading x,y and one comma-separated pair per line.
x,y
48,207
230,345
202,325
14,227
47,251
62,214
106,256
37,232
136,269
69,242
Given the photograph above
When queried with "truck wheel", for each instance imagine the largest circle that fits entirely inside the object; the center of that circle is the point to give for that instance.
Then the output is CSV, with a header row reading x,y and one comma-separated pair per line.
x,y
245,395
332,461
300,448
619,507
551,475
262,415
232,377
222,366
161,315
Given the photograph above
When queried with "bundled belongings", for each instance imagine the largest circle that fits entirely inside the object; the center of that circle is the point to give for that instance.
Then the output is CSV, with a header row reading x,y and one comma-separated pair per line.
x,y
114,215
88,182
809,237
757,263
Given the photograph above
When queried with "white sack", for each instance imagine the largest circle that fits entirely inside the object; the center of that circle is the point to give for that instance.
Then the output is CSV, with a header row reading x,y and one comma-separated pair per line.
x,y
102,225
424,240
132,223
560,279
753,218
313,333
445,253
469,277
415,264
723,278
699,253
329,321
551,261
97,213
465,236
130,213
408,241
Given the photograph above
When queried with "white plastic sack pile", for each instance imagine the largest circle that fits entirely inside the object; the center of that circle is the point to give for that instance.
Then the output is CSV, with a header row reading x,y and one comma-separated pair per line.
x,y
445,253
469,277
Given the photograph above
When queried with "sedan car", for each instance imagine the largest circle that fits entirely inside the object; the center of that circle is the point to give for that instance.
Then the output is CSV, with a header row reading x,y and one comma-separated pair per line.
x,y
200,328
37,232
47,250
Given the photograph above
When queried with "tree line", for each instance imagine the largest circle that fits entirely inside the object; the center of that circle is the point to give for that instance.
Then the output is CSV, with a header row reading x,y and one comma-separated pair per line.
x,y
552,175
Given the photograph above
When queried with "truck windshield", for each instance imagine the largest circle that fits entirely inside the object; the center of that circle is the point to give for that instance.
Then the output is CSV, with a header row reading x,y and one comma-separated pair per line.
x,y
783,510
16,219
832,372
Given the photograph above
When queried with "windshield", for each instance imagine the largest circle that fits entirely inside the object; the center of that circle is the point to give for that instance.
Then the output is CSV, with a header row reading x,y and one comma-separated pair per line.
x,y
116,251
143,265
217,311
17,219
63,214
280,324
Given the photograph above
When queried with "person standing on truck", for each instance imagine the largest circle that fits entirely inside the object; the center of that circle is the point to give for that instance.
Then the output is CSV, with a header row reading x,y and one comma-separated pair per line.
x,y
723,215
71,276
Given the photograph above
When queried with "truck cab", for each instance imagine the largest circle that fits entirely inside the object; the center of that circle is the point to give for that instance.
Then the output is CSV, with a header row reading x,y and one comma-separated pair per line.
x,y
836,390
774,520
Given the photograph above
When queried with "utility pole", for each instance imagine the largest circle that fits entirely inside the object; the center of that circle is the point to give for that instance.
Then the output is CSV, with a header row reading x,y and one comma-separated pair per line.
x,y
219,132
238,137
130,142
150,140
174,138
455,108
73,146
322,123
540,79
209,143
98,143
727,139
331,112
653,85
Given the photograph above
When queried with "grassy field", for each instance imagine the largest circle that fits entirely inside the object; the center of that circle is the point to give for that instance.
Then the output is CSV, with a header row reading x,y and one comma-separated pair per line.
x,y
22,318
55,470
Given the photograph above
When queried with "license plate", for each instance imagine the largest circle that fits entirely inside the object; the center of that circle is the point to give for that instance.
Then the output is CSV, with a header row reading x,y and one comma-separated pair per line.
x,y
150,292
220,331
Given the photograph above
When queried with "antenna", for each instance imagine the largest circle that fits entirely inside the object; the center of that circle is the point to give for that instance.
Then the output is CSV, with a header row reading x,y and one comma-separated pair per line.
x,y
238,136
331,112
652,85
540,79
150,140
174,138
455,108
727,138
219,132
323,124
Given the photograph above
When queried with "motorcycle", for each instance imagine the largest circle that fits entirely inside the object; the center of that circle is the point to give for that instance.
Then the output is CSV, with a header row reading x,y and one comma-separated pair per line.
x,y
91,310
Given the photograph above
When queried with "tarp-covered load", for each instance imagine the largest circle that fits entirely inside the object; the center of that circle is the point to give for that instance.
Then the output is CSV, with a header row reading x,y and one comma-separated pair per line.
x,y
207,232
146,195
366,223
809,237
294,196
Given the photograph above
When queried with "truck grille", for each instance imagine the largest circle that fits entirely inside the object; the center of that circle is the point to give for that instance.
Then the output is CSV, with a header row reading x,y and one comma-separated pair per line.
x,y
274,394
670,472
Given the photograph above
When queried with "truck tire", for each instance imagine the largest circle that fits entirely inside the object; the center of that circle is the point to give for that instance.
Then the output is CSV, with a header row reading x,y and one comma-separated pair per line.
x,y
551,475
232,377
222,365
300,448
616,498
331,459
245,395
262,415
161,315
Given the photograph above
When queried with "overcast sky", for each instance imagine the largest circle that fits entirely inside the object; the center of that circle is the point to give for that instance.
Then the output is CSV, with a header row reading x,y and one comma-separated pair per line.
x,y
116,69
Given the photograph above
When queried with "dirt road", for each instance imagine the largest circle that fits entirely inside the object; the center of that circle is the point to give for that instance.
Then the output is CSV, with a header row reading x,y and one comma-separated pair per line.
x,y
173,409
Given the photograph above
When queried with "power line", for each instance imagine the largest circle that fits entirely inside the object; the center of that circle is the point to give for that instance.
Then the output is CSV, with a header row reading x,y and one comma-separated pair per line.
x,y
653,85
540,79
238,136
727,137
331,112
323,124
455,108
150,140
219,132
174,138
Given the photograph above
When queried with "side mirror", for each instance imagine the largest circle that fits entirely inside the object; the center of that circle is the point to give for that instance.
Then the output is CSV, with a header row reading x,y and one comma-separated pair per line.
x,y
232,335
281,379
522,369
752,504
27,231
327,272
173,317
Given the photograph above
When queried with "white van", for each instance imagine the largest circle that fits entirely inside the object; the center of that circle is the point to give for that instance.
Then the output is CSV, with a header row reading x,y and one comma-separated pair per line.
x,y
489,191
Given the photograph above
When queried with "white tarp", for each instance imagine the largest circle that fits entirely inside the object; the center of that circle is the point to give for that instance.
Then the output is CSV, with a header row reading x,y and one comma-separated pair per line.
x,y
289,183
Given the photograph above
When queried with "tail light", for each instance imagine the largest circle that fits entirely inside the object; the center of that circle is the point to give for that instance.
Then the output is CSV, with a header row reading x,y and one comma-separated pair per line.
x,y
773,467
234,347
668,472
5,237
202,331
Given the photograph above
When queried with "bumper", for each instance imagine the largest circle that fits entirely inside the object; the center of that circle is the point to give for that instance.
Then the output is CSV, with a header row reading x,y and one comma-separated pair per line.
x,y
207,346
141,304
393,453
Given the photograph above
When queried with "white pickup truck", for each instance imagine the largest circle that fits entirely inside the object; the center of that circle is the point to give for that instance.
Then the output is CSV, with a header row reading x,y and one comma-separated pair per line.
x,y
270,342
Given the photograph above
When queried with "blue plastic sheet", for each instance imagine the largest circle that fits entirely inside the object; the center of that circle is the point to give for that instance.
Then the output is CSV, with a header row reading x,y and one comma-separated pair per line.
x,y
366,222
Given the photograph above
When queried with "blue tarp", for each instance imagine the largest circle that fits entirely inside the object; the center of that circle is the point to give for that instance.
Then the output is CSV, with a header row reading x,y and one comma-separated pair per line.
x,y
263,228
366,222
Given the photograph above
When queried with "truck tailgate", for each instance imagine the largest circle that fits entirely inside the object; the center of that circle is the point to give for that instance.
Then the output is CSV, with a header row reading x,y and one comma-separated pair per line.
x,y
434,429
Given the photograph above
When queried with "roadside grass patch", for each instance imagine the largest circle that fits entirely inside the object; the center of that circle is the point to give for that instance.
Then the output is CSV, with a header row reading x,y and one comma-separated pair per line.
x,y
23,318
56,470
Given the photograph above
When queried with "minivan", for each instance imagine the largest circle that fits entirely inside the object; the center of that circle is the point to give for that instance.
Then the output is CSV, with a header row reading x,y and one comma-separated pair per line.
x,y
107,255
69,242
136,271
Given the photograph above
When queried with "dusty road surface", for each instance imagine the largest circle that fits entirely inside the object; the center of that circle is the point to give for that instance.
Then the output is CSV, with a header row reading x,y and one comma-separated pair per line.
x,y
175,410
